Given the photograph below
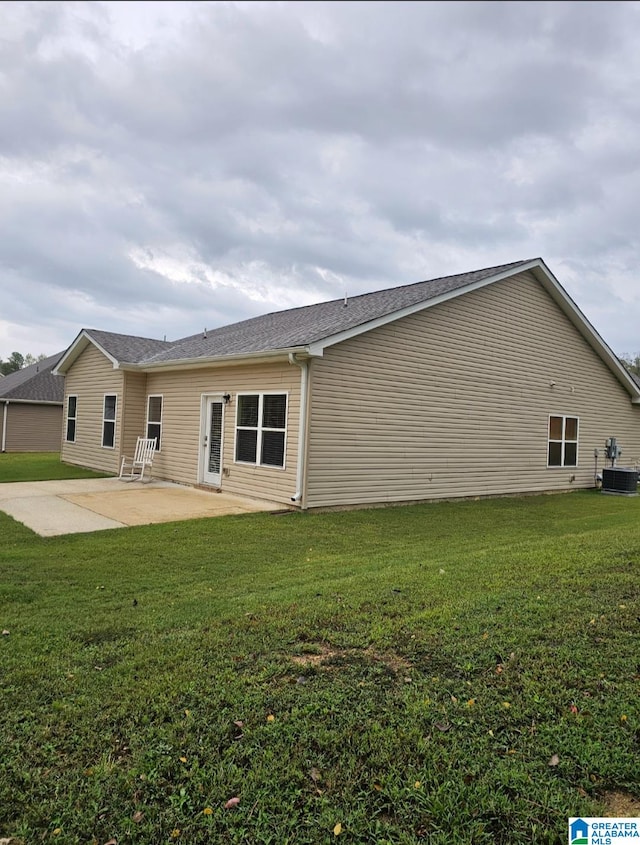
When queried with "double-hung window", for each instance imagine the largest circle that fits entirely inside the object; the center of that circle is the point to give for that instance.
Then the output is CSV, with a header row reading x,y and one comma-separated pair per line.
x,y
261,428
563,441
72,416
154,419
109,421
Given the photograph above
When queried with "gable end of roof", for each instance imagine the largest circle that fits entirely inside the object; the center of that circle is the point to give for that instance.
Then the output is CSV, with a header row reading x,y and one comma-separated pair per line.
x,y
119,349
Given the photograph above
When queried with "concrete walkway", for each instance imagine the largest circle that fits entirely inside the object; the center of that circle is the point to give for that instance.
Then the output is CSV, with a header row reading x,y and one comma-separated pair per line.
x,y
94,504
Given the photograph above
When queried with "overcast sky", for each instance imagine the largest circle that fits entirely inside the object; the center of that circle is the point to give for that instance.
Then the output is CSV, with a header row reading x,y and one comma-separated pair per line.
x,y
166,167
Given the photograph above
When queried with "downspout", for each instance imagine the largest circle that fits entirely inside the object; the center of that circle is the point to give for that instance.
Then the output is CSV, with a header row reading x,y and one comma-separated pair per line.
x,y
4,425
302,426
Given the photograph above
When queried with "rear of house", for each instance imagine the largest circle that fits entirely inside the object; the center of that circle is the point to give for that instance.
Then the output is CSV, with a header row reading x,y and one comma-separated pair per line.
x,y
231,427
485,383
234,427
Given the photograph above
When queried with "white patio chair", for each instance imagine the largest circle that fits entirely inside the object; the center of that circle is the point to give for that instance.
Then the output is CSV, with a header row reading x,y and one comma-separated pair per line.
x,y
133,468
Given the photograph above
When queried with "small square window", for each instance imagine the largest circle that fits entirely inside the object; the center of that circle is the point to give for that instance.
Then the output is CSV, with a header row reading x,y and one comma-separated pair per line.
x,y
563,442
248,410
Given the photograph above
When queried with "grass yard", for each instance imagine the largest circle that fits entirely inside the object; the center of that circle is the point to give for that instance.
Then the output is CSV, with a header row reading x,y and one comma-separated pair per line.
x,y
447,673
40,466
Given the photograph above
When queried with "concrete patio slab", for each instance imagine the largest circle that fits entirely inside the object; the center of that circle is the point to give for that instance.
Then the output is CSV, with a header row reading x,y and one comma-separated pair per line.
x,y
52,508
163,504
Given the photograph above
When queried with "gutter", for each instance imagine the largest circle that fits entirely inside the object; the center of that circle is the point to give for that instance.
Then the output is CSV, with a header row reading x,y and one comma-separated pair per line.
x,y
18,401
302,426
4,425
216,360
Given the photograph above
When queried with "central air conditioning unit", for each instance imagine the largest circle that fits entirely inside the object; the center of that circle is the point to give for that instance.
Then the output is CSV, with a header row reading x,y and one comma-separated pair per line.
x,y
620,480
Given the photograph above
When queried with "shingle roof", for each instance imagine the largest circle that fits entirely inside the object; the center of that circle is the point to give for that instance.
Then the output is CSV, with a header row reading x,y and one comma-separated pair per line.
x,y
315,326
128,349
34,383
282,330
309,324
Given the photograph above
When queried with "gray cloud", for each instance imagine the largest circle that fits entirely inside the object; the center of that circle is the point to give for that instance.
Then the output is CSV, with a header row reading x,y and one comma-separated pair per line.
x,y
169,165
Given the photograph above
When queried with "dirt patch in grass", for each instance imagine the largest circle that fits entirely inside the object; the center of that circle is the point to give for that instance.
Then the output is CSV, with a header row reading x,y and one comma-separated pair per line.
x,y
395,662
314,659
622,805
324,655
102,636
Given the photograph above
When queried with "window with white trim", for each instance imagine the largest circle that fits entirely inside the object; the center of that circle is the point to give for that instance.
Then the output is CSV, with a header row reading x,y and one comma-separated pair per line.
x,y
72,416
154,419
109,421
563,442
261,428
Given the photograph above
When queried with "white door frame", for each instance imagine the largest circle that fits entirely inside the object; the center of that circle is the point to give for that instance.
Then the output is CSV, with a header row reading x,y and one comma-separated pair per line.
x,y
205,477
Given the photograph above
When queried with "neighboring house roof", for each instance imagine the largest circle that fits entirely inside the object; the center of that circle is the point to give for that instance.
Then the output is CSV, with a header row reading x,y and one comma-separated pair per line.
x,y
312,328
35,383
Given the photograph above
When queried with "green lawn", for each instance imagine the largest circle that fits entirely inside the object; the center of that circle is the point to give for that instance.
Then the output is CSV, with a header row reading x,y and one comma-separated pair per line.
x,y
40,466
402,675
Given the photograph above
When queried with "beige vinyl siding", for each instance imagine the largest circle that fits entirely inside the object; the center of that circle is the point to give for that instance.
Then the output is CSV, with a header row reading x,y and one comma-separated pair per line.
x,y
181,426
455,401
32,428
135,413
89,378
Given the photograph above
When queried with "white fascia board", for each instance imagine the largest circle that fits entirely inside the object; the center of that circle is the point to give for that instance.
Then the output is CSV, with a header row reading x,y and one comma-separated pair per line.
x,y
77,347
219,361
317,349
550,284
575,315
73,350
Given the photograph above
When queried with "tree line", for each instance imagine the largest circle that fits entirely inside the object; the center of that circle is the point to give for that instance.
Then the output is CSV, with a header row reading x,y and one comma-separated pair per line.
x,y
631,362
17,361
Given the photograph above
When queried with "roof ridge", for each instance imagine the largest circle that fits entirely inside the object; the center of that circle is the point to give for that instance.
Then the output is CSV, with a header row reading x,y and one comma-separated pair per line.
x,y
130,336
357,296
295,327
450,276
